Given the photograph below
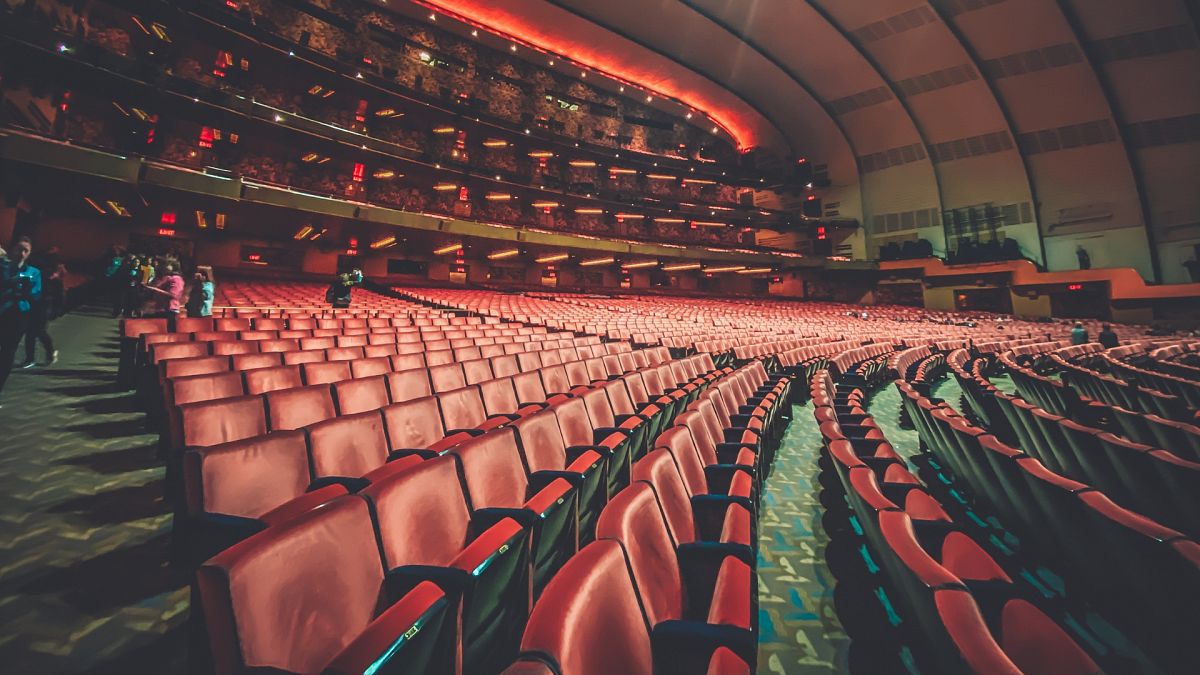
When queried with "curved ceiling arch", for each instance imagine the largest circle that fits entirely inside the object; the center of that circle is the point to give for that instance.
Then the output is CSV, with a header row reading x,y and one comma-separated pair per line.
x,y
569,35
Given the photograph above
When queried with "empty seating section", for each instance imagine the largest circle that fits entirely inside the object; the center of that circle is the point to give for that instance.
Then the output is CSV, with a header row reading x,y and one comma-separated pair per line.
x,y
522,479
1079,464
469,439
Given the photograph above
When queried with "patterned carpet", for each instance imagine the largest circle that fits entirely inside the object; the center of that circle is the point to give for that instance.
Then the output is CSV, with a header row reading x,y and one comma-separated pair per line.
x,y
799,631
84,586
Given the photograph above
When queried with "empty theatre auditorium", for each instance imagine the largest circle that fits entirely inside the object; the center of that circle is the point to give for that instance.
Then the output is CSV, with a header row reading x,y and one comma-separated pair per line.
x,y
599,337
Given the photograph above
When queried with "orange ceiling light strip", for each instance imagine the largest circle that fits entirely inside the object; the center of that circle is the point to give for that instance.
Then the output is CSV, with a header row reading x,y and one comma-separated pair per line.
x,y
498,19
597,261
681,268
639,265
500,255
553,258
447,249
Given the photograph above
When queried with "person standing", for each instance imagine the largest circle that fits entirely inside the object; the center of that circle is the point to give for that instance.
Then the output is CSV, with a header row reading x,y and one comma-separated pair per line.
x,y
200,298
1079,334
169,291
1107,337
20,288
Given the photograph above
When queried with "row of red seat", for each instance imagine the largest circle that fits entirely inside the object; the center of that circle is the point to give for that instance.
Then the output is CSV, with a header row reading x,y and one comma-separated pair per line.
x,y
931,563
424,517
1140,572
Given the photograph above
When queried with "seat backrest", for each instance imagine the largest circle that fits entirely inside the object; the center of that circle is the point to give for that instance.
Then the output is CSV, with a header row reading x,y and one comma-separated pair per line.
x,y
599,409
222,420
462,408
304,356
477,370
246,478
262,380
554,379
402,361
588,618
574,421
349,445
505,366
360,395
541,441
367,367
437,357
279,345
423,515
446,377
678,441
260,596
493,470
230,347
529,361
415,424
499,396
295,408
634,518
256,360
658,469
325,372
577,373
618,397
529,387
405,385
196,388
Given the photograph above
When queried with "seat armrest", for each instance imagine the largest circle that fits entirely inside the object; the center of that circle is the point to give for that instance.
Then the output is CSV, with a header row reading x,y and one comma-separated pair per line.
x,y
424,614
482,519
304,503
469,432
719,476
727,453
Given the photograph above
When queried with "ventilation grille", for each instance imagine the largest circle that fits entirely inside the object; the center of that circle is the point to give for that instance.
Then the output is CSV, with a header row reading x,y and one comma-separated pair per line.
x,y
978,217
1146,43
952,8
883,223
1065,138
905,21
1167,131
938,79
974,146
877,161
1032,61
863,99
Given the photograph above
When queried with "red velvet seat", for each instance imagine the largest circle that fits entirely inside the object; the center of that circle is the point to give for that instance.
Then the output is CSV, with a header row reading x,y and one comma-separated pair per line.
x,y
463,409
588,609
303,356
299,407
325,372
222,420
360,395
498,482
695,597
347,446
256,360
262,380
428,532
546,454
369,367
235,489
416,426
405,385
268,606
710,520
446,377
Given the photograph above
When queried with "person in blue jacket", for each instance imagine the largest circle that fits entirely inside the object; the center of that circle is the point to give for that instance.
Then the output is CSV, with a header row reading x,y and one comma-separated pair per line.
x,y
20,289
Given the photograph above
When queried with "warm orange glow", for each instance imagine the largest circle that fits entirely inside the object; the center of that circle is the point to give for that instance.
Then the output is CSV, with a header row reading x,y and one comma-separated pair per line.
x,y
732,268
545,205
597,261
681,268
755,270
553,258
500,255
669,220
589,211
582,163
447,249
444,187
543,35
639,265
